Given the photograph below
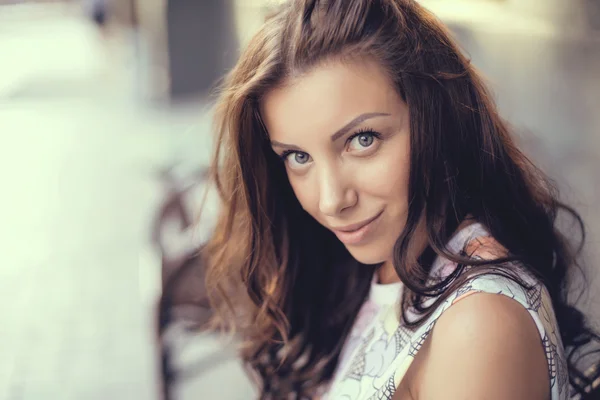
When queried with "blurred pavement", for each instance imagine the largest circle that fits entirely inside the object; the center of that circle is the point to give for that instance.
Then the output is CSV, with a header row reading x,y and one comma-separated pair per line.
x,y
79,164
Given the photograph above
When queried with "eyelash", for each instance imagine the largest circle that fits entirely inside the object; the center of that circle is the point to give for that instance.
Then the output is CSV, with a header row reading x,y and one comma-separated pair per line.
x,y
361,131
286,153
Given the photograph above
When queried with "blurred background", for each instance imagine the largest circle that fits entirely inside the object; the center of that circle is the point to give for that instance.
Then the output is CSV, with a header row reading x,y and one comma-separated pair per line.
x,y
105,119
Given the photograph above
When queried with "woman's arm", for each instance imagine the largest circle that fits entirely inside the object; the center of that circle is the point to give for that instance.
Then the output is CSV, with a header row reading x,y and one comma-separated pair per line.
x,y
486,346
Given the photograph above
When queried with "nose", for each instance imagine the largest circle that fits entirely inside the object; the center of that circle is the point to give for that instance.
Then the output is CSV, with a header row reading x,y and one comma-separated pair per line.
x,y
336,192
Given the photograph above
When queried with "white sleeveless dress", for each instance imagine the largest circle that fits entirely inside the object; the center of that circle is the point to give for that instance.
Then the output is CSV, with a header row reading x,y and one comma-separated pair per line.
x,y
380,349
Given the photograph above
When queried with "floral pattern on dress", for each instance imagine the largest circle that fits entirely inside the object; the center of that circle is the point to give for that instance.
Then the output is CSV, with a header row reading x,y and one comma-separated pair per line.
x,y
375,367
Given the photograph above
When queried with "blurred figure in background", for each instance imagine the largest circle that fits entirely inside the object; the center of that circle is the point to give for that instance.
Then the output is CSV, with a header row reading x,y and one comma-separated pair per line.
x,y
98,11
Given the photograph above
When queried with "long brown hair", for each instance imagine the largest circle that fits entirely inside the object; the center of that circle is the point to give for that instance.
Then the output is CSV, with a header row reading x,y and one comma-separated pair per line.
x,y
283,282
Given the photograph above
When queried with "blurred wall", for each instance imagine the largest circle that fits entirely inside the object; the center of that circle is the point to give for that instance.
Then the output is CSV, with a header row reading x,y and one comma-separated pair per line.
x,y
583,15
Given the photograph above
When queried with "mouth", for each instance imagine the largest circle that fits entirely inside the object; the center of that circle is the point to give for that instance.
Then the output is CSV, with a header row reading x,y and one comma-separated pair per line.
x,y
356,233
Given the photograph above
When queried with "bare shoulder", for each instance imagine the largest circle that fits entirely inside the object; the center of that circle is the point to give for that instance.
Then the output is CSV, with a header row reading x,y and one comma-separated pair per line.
x,y
485,247
484,346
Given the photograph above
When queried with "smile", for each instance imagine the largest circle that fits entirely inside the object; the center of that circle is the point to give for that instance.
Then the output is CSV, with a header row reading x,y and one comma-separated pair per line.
x,y
356,233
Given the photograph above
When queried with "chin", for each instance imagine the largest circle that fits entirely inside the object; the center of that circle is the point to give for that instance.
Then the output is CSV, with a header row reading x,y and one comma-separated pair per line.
x,y
365,256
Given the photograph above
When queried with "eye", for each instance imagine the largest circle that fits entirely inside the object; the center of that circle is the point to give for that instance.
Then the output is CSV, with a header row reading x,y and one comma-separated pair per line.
x,y
295,159
362,140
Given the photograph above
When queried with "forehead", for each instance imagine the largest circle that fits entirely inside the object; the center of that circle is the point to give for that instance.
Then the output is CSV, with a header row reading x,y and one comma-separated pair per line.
x,y
328,96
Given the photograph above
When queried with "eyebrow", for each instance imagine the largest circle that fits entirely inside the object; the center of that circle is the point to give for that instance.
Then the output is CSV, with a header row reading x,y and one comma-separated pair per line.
x,y
356,121
340,132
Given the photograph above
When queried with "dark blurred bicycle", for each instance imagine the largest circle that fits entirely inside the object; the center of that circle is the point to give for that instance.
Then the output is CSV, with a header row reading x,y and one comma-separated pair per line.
x,y
183,308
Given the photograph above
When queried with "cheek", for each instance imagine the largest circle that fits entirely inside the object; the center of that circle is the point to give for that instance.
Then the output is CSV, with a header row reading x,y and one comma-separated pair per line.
x,y
386,177
306,194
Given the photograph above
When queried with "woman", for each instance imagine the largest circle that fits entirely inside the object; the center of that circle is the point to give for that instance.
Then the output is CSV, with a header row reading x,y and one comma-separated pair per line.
x,y
97,10
381,235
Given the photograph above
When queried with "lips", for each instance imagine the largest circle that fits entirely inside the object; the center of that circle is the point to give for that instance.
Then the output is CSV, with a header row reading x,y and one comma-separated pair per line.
x,y
356,233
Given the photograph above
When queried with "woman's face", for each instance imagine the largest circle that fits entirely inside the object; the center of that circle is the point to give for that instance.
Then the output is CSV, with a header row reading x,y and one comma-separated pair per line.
x,y
342,131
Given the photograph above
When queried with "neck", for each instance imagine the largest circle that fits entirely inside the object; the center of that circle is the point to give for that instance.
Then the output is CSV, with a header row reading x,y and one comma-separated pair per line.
x,y
387,273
